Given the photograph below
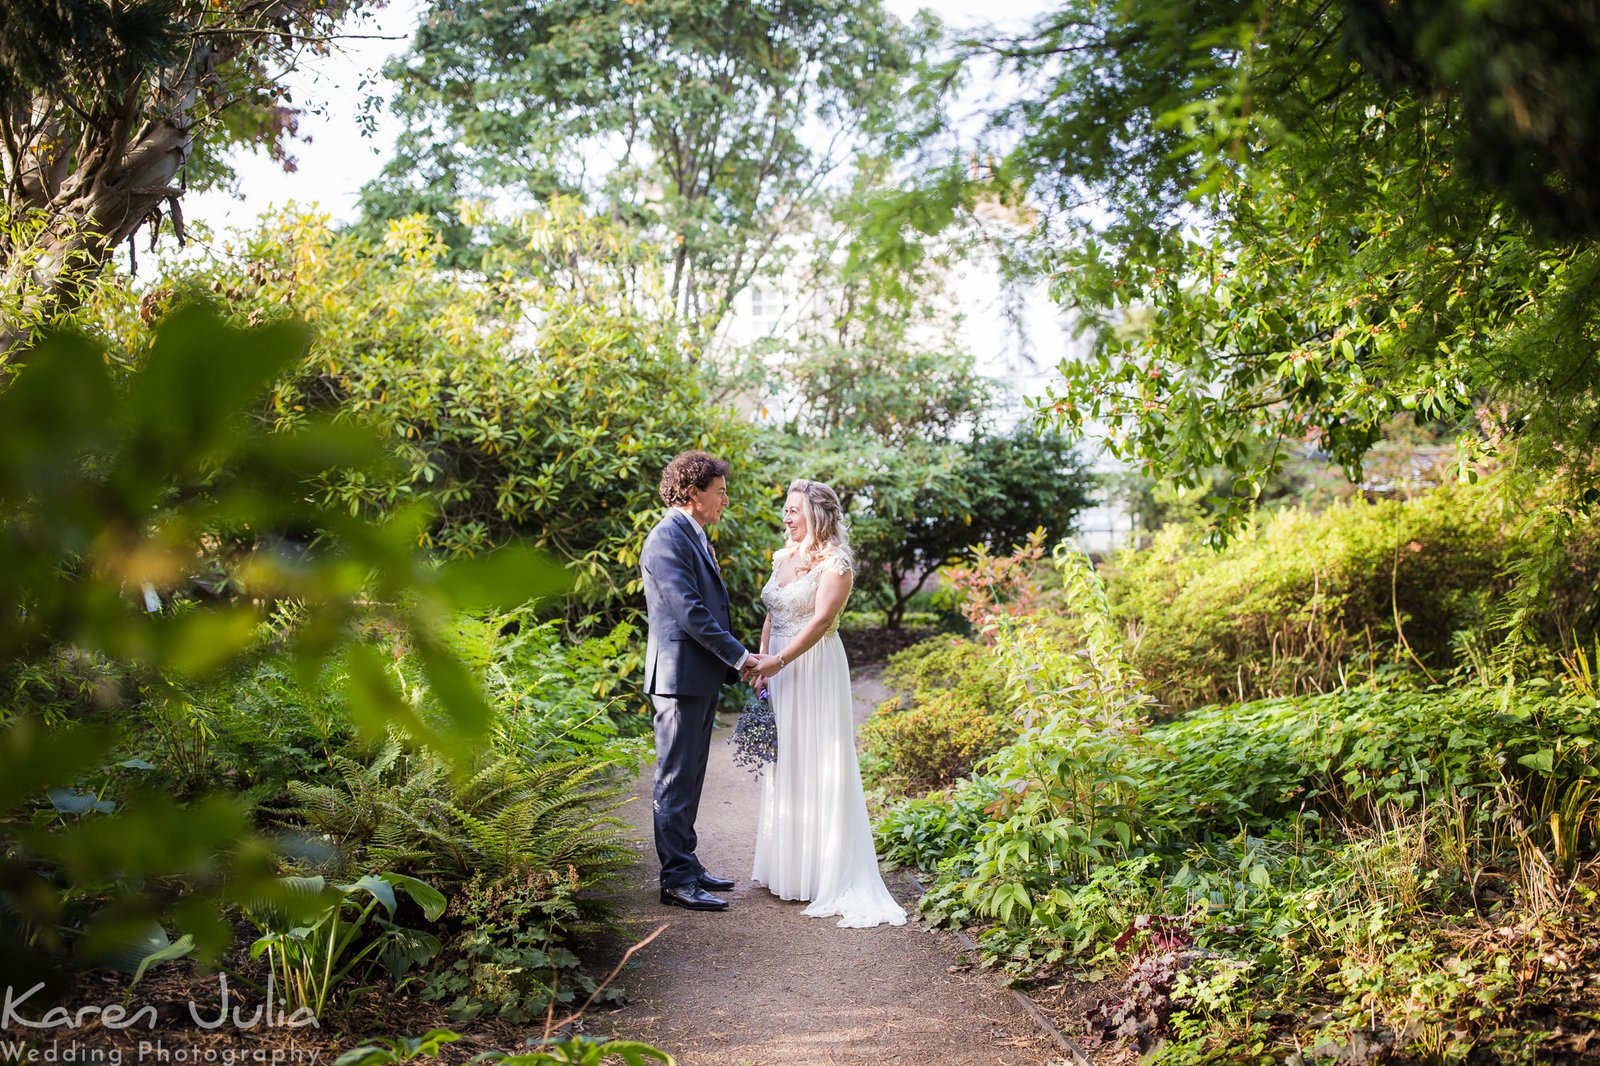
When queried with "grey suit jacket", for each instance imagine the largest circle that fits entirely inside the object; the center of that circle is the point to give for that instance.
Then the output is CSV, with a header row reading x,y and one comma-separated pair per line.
x,y
690,651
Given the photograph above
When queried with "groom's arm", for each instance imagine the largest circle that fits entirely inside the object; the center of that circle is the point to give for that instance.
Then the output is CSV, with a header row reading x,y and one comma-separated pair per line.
x,y
670,562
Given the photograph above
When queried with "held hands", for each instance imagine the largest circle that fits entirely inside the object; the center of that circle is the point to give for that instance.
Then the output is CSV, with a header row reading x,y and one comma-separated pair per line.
x,y
758,667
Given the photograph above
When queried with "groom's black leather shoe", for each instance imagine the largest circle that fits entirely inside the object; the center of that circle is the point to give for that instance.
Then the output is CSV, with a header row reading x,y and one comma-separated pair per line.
x,y
713,883
693,897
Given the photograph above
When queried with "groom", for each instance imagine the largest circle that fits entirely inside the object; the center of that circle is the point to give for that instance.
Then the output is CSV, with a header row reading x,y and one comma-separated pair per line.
x,y
690,655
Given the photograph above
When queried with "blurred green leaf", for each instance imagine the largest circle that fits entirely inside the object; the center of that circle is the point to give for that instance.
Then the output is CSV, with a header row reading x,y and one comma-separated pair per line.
x,y
458,690
191,395
35,757
375,700
124,946
502,579
196,644
59,406
172,482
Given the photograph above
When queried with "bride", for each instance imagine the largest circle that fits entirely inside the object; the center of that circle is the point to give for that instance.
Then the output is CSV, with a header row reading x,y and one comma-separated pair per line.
x,y
813,840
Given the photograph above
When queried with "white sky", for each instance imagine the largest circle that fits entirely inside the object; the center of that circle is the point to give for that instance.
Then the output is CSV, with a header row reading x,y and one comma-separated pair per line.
x,y
340,157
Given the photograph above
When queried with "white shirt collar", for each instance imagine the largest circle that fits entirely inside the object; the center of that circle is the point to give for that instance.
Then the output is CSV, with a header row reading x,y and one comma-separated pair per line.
x,y
685,512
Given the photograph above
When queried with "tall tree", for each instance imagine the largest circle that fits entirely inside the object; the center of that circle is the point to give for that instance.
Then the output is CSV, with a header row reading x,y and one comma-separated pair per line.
x,y
710,123
109,111
1286,221
875,396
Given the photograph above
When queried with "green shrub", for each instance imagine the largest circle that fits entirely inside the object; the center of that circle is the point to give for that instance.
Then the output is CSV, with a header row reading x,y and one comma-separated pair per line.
x,y
555,434
953,715
1491,767
932,743
1300,600
407,812
930,832
262,725
124,477
1396,856
508,961
259,726
1393,856
553,696
64,682
312,952
948,662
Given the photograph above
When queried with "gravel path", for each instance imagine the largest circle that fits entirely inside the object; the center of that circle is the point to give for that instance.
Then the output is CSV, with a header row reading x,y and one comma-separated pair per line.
x,y
762,984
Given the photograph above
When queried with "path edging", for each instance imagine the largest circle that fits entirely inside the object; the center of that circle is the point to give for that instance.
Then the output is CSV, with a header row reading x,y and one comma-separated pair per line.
x,y
1068,1045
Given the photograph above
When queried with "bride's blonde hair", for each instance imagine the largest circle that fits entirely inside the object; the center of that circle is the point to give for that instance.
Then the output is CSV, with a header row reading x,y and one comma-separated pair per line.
x,y
827,531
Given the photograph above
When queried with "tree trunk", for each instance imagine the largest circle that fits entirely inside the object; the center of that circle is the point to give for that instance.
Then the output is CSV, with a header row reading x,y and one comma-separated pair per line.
x,y
123,176
82,174
895,613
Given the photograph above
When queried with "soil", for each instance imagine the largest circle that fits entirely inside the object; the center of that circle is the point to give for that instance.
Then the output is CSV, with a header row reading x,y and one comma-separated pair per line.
x,y
762,984
868,648
1069,999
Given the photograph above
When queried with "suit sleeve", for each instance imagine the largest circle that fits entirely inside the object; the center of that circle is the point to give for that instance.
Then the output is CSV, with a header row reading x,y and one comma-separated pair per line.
x,y
670,562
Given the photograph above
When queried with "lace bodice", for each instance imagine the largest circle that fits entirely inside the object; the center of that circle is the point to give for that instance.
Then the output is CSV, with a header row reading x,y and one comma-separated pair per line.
x,y
791,606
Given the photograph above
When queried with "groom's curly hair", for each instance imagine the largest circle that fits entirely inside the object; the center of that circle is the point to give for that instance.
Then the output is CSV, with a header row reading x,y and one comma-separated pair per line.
x,y
688,472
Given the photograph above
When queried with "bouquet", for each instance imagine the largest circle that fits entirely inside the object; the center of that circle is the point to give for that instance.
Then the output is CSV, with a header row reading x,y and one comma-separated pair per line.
x,y
755,735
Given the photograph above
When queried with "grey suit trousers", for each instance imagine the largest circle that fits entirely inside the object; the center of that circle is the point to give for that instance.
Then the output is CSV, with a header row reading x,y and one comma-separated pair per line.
x,y
683,744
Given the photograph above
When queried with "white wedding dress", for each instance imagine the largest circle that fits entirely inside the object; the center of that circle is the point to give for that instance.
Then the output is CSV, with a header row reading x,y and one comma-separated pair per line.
x,y
813,840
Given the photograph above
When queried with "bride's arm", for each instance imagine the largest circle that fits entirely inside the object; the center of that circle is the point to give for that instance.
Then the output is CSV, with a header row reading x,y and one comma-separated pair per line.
x,y
833,588
759,681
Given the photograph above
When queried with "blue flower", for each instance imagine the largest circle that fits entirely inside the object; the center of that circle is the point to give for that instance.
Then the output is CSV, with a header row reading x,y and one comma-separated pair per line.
x,y
755,735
